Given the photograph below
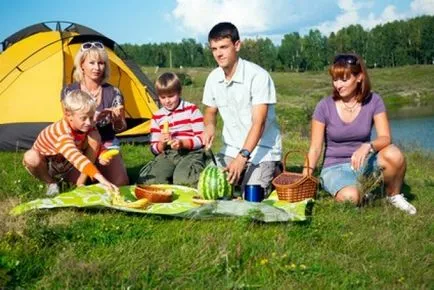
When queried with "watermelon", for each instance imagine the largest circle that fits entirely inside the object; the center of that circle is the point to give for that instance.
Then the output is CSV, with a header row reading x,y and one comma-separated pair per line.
x,y
213,183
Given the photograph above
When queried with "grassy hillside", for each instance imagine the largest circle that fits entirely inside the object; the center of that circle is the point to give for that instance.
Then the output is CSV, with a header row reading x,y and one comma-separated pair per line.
x,y
340,246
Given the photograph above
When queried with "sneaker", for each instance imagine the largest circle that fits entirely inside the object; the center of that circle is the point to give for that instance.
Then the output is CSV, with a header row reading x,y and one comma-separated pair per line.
x,y
400,202
53,189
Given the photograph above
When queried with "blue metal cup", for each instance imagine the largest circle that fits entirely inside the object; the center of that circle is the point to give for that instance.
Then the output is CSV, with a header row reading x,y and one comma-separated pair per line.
x,y
254,192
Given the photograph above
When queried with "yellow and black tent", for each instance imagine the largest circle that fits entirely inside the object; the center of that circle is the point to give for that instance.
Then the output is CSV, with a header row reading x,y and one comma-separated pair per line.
x,y
37,61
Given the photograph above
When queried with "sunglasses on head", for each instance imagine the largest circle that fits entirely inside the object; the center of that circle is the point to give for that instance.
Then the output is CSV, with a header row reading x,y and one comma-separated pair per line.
x,y
346,58
89,45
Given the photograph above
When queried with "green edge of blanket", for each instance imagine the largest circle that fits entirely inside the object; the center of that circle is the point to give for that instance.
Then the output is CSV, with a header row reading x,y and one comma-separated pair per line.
x,y
270,210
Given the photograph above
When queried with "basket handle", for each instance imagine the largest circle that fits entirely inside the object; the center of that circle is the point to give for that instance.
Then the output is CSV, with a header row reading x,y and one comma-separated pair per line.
x,y
306,160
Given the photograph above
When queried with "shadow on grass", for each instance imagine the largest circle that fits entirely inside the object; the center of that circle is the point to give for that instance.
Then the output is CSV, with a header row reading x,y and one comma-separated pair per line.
x,y
406,189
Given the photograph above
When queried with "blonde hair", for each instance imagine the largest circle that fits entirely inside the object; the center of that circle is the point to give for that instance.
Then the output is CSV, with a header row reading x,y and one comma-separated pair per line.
x,y
342,70
168,83
78,100
93,53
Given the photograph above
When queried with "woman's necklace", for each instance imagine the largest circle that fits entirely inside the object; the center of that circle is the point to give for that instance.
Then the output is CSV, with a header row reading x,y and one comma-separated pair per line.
x,y
94,94
351,108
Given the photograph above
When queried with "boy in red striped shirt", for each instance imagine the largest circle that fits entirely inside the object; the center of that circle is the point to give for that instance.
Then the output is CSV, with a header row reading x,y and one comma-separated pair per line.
x,y
176,137
58,150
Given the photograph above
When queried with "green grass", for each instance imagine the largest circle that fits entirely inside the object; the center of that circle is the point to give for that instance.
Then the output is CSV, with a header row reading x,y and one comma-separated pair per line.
x,y
340,246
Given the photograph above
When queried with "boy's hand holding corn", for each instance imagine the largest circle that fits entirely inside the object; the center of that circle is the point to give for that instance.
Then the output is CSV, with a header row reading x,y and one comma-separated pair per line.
x,y
106,156
165,138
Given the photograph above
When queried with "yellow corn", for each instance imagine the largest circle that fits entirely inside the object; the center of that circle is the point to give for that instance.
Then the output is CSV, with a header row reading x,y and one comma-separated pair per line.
x,y
140,203
166,127
117,200
109,154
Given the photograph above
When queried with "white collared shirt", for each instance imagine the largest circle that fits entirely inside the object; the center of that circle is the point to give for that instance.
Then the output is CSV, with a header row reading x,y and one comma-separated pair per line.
x,y
250,85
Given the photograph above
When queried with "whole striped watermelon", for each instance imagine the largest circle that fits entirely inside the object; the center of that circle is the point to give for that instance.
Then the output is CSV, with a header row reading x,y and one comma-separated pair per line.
x,y
213,183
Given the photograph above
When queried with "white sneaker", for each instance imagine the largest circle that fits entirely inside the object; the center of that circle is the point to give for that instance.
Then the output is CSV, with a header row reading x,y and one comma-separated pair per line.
x,y
53,189
400,202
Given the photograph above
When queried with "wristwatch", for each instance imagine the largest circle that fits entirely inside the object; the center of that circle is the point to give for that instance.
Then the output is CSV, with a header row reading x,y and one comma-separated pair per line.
x,y
245,153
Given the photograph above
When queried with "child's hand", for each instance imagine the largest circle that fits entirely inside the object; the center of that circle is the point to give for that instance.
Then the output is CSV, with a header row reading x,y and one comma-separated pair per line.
x,y
116,111
106,156
175,144
103,114
104,162
165,138
112,188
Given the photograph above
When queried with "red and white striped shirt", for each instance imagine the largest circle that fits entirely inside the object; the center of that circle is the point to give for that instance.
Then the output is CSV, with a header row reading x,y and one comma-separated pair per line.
x,y
59,138
185,122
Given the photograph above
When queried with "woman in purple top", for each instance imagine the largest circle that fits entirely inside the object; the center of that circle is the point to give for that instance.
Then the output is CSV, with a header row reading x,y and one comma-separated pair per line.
x,y
91,73
343,122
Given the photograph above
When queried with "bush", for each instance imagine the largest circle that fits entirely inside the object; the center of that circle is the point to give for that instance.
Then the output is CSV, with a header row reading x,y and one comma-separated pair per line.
x,y
186,79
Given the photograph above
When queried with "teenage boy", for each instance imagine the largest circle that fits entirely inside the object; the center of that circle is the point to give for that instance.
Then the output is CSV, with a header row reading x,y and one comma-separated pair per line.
x,y
244,95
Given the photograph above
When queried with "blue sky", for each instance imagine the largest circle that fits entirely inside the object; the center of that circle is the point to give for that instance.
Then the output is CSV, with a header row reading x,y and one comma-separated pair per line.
x,y
156,21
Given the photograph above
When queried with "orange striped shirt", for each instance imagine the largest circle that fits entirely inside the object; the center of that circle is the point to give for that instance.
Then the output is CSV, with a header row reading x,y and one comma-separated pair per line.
x,y
59,138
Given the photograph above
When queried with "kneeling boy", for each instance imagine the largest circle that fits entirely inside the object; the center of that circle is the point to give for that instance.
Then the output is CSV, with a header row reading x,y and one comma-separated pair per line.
x,y
58,150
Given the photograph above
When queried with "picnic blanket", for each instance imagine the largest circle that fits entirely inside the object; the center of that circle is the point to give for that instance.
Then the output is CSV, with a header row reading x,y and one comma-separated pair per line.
x,y
269,210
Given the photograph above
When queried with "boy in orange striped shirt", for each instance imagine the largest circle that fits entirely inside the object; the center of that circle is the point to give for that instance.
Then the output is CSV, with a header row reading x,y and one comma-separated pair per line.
x,y
67,149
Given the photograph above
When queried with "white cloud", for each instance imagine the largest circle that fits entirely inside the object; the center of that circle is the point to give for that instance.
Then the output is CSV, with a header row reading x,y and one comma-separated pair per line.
x,y
265,18
250,16
389,14
200,16
348,16
419,7
352,13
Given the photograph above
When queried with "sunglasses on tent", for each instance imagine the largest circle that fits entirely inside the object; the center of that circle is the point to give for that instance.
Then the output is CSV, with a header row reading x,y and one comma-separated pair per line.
x,y
89,45
346,58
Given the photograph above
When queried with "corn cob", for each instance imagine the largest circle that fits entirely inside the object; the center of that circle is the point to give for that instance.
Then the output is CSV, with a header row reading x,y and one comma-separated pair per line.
x,y
166,127
109,154
117,200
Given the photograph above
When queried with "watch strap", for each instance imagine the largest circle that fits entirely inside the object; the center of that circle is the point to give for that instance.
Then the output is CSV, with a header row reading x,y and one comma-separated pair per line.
x,y
245,153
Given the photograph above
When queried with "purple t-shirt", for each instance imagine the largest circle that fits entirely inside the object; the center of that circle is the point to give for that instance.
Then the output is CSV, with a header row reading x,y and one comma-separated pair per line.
x,y
342,139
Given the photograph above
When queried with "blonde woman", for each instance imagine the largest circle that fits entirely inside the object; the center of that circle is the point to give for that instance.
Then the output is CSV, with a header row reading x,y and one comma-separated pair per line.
x,y
91,73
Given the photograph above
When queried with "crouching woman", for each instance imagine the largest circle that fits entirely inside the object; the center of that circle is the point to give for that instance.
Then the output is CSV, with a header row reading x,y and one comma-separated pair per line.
x,y
343,121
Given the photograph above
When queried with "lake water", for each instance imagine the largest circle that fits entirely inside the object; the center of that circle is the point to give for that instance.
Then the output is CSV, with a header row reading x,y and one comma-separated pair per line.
x,y
413,131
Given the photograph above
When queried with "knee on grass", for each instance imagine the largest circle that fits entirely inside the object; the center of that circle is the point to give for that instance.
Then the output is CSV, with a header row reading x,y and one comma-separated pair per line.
x,y
32,159
348,193
392,157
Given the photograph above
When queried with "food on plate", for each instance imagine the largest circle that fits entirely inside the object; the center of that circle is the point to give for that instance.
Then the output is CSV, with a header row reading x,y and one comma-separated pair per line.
x,y
153,193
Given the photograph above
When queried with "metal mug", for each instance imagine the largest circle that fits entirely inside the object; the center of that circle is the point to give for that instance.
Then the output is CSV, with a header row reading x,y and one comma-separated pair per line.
x,y
254,192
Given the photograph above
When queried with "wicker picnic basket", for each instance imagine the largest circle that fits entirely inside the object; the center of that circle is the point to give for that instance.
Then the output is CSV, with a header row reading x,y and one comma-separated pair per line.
x,y
293,186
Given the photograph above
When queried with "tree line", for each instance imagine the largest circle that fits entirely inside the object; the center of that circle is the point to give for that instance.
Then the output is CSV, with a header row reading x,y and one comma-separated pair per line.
x,y
392,44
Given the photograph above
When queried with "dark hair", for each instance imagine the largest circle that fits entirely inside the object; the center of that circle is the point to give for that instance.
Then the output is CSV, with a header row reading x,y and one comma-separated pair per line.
x,y
346,64
224,30
168,83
